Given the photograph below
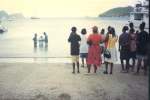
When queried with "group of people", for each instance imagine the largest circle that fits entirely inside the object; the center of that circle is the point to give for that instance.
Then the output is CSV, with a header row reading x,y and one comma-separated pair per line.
x,y
90,48
42,40
134,45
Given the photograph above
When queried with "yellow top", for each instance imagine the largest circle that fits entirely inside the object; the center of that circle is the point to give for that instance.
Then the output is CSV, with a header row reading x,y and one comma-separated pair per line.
x,y
112,41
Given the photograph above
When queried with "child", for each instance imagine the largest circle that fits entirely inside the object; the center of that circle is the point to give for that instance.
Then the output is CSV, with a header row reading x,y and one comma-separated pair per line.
x,y
41,40
74,39
83,46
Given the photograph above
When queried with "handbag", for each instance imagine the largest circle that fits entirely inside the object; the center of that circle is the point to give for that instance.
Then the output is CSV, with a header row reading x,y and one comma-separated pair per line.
x,y
107,53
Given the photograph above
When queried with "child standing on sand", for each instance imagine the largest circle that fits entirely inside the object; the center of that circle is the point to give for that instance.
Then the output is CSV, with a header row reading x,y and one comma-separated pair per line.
x,y
74,39
83,46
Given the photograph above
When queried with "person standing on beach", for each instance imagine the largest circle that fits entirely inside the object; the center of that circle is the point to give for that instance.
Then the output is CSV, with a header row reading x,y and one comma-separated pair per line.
x,y
124,49
83,46
45,39
35,40
142,42
111,47
132,45
94,52
102,43
74,39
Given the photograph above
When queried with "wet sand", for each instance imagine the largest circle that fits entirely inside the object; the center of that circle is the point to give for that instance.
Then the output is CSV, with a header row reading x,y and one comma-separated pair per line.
x,y
46,81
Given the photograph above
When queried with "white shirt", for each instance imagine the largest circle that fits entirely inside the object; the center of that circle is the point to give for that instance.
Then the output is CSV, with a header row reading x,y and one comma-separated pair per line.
x,y
83,44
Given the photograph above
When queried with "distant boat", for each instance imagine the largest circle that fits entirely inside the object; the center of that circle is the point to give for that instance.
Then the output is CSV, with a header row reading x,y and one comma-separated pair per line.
x,y
3,29
34,18
140,14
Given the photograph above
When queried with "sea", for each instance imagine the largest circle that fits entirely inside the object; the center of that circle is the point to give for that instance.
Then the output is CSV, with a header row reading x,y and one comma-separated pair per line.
x,y
16,45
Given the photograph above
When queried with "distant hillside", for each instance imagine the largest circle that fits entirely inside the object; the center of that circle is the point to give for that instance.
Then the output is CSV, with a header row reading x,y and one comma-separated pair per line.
x,y
3,15
117,12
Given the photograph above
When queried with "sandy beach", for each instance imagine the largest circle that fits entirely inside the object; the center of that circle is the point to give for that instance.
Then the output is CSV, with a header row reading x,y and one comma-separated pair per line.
x,y
47,81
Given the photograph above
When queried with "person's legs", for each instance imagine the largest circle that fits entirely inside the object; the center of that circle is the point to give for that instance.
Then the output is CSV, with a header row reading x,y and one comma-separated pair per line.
x,y
145,66
95,68
111,68
127,65
73,64
89,68
122,64
82,62
133,63
138,65
106,66
78,67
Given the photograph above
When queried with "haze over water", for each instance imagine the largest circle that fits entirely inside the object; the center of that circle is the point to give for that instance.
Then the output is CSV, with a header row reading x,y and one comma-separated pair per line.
x,y
18,43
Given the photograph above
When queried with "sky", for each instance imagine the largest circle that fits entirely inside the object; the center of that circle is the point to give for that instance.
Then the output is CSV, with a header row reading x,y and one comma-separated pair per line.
x,y
62,8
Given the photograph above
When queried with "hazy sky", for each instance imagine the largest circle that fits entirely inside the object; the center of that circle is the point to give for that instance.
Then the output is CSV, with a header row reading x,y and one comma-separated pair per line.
x,y
61,8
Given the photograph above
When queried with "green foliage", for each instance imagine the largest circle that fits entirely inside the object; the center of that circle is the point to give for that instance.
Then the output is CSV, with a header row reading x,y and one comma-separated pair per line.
x,y
117,12
3,14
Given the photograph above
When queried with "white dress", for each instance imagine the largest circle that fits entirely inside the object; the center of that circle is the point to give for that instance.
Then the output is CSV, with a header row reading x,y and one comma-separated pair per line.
x,y
112,49
83,44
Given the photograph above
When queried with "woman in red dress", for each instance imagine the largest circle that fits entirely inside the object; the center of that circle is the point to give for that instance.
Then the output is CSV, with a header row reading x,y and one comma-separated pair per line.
x,y
94,52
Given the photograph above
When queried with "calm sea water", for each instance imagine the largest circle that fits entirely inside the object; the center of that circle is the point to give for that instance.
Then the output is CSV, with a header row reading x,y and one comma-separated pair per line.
x,y
17,43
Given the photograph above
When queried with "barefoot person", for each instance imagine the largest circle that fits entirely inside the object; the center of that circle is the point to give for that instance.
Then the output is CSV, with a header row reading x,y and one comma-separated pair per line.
x,y
74,39
111,47
133,46
83,46
94,52
142,42
124,49
102,44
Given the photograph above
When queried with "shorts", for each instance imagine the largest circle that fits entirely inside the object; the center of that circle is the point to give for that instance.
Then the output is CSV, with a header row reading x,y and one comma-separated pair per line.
x,y
144,57
75,59
83,55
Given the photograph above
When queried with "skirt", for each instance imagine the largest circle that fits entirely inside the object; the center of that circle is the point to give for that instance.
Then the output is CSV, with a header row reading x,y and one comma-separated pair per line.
x,y
94,55
113,52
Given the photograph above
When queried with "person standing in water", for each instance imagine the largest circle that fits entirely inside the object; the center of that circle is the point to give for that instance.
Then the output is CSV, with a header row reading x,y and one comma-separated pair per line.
x,y
41,40
35,40
74,39
45,39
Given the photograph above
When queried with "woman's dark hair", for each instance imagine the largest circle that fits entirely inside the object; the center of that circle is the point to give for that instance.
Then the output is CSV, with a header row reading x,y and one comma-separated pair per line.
x,y
73,29
113,32
83,31
125,28
102,31
142,26
95,29
109,29
131,25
